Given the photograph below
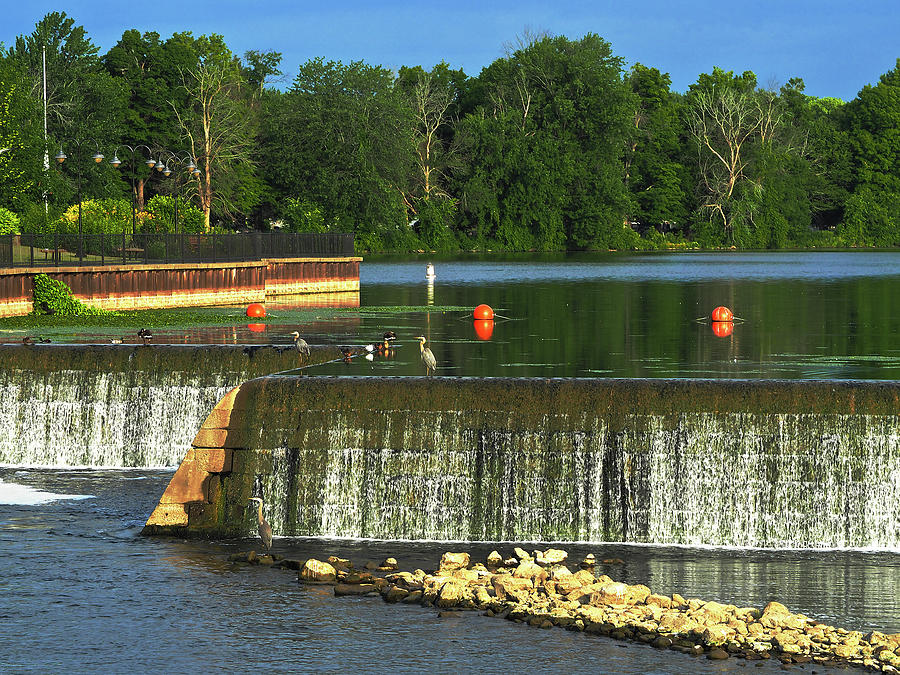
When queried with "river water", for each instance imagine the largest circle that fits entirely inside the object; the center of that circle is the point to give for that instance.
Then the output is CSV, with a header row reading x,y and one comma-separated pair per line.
x,y
82,590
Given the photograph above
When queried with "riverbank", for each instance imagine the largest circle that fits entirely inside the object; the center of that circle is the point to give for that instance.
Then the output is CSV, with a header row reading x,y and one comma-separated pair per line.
x,y
541,590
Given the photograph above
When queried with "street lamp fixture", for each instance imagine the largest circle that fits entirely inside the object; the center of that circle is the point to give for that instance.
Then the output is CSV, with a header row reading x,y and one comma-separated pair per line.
x,y
61,157
116,162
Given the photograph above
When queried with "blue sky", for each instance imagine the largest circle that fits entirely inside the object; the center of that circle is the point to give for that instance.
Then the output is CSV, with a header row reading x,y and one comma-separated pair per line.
x,y
836,47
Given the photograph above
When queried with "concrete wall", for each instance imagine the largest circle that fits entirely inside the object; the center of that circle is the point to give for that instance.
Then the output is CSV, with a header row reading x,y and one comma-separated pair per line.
x,y
729,463
183,284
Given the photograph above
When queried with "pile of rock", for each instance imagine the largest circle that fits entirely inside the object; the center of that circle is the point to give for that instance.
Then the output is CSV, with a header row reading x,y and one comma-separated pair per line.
x,y
540,590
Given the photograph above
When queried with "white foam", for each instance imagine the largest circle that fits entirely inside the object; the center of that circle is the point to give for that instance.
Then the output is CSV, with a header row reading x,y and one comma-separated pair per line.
x,y
24,495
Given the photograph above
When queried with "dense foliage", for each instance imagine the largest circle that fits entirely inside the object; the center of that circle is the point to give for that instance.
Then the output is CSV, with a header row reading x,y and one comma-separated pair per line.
x,y
52,296
554,146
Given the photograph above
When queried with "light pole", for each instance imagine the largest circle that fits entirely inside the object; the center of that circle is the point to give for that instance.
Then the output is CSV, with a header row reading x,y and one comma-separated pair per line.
x,y
115,161
60,158
186,161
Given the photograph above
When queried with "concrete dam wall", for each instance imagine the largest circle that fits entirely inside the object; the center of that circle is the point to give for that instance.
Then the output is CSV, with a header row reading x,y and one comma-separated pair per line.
x,y
121,405
729,463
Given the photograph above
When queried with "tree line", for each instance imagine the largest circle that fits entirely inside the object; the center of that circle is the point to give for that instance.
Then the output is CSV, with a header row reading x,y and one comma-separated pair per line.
x,y
554,146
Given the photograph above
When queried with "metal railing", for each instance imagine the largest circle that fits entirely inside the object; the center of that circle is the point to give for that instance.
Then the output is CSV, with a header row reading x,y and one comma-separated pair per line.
x,y
59,249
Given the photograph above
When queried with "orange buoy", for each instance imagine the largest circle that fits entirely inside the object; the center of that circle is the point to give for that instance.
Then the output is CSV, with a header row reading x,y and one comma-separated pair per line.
x,y
256,311
483,313
484,328
256,327
722,328
722,314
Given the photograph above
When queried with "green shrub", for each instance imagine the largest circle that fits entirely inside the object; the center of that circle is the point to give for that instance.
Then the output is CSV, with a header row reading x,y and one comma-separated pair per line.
x,y
161,210
52,296
9,222
302,215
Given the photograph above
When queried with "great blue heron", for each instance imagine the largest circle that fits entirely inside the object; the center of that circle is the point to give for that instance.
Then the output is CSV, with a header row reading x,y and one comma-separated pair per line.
x,y
300,343
427,356
145,335
265,530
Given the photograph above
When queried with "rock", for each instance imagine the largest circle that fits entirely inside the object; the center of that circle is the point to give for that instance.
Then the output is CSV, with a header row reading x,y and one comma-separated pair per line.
x,y
717,635
371,565
712,613
449,615
677,600
589,561
510,562
636,594
587,577
494,559
454,561
717,654
452,594
530,570
507,586
353,589
659,600
317,571
612,594
521,554
389,564
394,594
560,572
776,615
339,563
662,642
552,556
613,561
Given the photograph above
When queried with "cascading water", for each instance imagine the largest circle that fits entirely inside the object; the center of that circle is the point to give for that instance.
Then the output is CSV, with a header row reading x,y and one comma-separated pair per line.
x,y
118,406
762,464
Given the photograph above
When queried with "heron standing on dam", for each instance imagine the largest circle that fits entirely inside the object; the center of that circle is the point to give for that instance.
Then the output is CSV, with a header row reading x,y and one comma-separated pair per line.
x,y
300,344
265,530
427,356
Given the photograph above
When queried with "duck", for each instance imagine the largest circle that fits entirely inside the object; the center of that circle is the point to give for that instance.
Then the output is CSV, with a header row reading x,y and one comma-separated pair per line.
x,y
145,335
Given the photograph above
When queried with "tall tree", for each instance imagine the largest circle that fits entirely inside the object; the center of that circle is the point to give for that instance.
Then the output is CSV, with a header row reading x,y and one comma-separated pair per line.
x,y
219,127
872,215
547,143
654,174
340,141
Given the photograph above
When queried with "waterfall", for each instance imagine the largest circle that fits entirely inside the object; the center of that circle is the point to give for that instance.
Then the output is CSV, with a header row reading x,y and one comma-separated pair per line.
x,y
725,463
118,405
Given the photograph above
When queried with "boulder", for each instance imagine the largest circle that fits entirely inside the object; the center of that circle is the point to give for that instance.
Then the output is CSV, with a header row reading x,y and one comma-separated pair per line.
x,y
452,594
353,589
454,561
389,564
636,594
318,572
521,553
530,570
494,559
612,594
506,586
659,600
552,556
394,594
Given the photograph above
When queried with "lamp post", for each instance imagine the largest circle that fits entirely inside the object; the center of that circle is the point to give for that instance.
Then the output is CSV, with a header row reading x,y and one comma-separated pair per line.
x,y
186,161
60,158
115,161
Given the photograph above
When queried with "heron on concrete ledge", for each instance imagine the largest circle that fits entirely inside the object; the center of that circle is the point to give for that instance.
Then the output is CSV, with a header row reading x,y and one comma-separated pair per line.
x,y
300,344
427,356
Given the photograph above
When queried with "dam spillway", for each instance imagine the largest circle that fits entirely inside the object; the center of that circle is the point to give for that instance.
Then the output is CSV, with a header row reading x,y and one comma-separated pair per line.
x,y
130,406
697,462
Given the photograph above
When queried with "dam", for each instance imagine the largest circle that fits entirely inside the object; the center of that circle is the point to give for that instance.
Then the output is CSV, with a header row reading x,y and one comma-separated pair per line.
x,y
773,464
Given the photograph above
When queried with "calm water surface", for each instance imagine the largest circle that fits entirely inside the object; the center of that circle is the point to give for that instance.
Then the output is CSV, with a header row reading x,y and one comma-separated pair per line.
x,y
803,315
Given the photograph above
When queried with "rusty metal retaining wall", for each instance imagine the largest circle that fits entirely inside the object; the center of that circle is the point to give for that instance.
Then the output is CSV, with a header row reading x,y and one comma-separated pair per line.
x,y
183,284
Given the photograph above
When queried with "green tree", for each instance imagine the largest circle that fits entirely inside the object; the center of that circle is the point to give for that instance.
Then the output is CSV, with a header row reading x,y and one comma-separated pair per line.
x,y
872,214
339,140
547,141
654,174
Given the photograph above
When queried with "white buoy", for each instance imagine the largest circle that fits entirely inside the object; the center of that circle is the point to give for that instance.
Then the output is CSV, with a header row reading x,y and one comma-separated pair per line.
x,y
429,271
